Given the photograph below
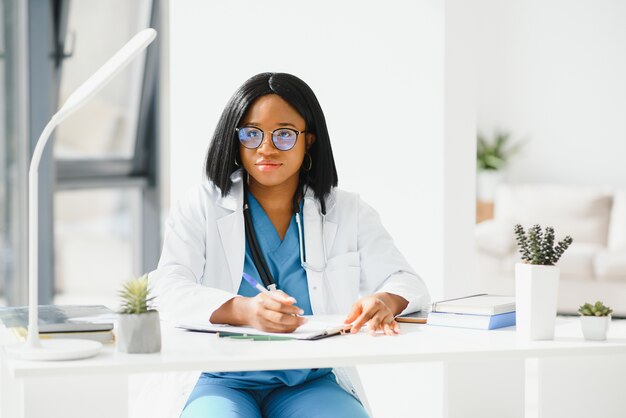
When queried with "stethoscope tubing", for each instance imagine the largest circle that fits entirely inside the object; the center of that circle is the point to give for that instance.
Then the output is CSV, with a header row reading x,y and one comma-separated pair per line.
x,y
257,255
303,262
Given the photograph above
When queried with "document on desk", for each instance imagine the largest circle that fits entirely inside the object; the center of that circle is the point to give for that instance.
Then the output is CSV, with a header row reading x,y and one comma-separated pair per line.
x,y
316,328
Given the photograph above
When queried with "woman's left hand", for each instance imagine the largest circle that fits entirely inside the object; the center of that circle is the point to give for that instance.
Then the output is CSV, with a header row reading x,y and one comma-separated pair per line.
x,y
376,311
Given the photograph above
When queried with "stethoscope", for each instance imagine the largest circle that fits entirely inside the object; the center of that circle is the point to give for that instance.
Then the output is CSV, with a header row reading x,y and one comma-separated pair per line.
x,y
257,256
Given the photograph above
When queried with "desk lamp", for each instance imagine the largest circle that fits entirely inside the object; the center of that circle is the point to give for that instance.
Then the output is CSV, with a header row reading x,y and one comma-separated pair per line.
x,y
64,349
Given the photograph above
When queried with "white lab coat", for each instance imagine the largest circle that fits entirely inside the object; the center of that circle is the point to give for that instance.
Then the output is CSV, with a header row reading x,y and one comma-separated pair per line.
x,y
203,255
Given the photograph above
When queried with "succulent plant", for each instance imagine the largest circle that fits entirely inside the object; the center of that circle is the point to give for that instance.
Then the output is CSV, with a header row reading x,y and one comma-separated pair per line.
x,y
537,247
135,296
597,309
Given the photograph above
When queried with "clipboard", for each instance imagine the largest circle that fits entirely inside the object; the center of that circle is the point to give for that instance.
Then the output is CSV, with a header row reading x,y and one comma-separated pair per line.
x,y
419,317
316,328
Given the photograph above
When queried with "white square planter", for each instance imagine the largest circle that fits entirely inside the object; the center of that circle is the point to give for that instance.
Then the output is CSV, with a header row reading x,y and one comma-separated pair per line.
x,y
536,295
595,327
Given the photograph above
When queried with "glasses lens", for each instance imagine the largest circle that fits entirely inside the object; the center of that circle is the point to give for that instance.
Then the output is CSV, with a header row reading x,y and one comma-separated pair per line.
x,y
250,137
284,139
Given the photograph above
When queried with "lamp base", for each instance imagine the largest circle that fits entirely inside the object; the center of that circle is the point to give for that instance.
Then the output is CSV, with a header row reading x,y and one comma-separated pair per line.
x,y
51,350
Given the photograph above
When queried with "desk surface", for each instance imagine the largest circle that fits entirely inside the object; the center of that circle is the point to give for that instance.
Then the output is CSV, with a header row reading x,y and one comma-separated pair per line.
x,y
186,351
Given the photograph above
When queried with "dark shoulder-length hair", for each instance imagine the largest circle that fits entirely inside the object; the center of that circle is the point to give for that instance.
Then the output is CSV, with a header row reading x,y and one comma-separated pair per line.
x,y
224,149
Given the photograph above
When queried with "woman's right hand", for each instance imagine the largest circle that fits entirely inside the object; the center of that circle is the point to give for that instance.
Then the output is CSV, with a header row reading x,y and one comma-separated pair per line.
x,y
273,313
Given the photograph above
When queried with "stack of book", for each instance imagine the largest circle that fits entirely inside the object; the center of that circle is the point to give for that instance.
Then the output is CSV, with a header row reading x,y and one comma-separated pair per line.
x,y
92,322
478,311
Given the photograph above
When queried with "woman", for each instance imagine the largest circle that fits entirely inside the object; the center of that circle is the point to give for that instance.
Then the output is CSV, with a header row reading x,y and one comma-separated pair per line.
x,y
269,199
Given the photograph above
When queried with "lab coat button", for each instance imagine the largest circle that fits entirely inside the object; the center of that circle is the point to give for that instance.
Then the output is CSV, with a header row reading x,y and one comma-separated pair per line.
x,y
314,287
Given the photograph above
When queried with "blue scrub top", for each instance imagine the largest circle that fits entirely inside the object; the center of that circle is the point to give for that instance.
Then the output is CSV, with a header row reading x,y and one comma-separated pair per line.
x,y
283,260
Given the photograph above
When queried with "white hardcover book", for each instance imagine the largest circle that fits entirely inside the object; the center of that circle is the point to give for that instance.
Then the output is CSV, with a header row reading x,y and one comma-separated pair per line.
x,y
477,305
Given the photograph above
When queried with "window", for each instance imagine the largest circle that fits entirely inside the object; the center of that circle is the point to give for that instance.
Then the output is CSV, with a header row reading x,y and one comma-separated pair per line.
x,y
107,125
100,185
94,244
105,155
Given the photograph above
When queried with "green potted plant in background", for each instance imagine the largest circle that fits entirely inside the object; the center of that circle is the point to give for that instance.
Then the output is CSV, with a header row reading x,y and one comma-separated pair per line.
x,y
594,320
537,281
492,157
138,327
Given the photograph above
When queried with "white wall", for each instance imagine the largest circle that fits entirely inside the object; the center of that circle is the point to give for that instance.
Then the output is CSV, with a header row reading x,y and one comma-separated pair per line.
x,y
377,71
555,72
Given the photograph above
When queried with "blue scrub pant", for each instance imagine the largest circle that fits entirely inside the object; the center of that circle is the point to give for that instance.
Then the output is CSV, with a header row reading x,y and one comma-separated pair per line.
x,y
317,398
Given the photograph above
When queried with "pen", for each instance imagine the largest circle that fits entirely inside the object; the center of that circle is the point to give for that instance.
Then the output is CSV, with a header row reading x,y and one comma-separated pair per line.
x,y
260,288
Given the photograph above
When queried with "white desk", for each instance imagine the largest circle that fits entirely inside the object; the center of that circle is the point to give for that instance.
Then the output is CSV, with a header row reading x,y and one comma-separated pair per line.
x,y
465,354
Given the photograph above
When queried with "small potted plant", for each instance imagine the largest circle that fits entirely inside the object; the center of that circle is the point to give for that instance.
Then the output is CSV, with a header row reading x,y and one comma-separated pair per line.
x,y
138,327
537,281
595,320
492,157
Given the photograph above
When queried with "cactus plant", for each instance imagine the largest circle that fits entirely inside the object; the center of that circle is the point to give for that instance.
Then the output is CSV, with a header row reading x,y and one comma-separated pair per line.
x,y
134,295
537,247
597,309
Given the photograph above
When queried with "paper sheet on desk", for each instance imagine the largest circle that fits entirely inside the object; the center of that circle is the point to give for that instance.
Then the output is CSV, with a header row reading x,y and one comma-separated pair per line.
x,y
317,327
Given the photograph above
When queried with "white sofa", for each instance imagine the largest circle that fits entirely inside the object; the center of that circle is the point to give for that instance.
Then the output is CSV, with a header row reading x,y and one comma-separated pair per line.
x,y
593,268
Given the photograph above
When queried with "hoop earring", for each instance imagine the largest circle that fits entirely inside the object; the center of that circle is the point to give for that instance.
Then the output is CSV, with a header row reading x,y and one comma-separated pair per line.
x,y
310,162
236,163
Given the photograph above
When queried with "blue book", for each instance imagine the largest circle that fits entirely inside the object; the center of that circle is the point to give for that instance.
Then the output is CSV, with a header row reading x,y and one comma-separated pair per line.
x,y
471,321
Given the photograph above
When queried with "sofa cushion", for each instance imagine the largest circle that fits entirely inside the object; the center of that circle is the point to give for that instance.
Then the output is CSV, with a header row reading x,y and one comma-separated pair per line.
x,y
610,265
617,225
495,238
582,212
578,261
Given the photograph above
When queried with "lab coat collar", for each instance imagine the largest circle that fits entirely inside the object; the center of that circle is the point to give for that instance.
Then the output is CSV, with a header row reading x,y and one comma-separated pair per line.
x,y
231,228
330,199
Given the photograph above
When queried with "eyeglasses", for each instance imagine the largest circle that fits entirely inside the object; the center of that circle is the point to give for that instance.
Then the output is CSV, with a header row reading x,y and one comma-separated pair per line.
x,y
283,139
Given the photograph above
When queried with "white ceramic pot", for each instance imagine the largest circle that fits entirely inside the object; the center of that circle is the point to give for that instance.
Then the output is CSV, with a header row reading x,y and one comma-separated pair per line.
x,y
138,333
536,295
487,181
595,327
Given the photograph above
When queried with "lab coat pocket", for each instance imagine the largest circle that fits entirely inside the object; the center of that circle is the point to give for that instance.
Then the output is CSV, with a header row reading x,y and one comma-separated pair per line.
x,y
343,274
